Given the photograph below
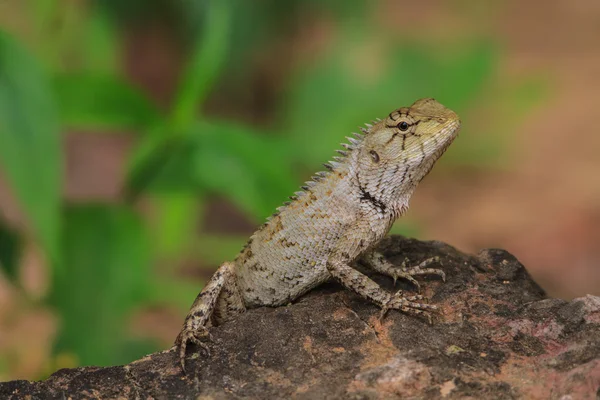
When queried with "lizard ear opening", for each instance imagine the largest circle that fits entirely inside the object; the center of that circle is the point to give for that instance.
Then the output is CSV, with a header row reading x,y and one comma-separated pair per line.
x,y
374,156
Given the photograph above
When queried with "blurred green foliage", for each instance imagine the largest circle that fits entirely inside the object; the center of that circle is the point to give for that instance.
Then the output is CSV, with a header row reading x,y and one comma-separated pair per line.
x,y
30,147
113,105
102,256
106,263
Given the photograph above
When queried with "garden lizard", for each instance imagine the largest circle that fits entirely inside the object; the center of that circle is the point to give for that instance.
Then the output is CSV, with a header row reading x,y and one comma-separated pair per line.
x,y
335,221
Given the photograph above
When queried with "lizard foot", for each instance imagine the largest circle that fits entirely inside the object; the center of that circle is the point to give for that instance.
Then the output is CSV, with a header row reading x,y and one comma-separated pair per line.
x,y
409,304
198,336
378,263
409,273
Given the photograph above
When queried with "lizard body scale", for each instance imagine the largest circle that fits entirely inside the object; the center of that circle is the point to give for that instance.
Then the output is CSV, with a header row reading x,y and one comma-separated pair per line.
x,y
337,219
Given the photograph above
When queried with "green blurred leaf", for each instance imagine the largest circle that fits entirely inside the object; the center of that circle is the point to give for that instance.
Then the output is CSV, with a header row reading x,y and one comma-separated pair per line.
x,y
10,250
161,164
252,170
48,35
43,11
176,220
106,256
74,36
166,290
204,67
93,101
100,45
30,151
214,249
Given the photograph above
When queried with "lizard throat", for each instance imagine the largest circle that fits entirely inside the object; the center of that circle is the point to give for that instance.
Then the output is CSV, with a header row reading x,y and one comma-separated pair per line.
x,y
368,197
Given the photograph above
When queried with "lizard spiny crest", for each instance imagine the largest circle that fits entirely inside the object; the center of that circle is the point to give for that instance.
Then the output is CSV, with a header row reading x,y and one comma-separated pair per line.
x,y
352,144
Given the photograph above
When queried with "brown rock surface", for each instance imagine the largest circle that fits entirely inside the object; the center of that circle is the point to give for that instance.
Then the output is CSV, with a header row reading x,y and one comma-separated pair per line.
x,y
499,338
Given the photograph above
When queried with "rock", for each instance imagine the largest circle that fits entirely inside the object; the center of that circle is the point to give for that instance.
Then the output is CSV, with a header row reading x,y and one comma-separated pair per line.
x,y
498,337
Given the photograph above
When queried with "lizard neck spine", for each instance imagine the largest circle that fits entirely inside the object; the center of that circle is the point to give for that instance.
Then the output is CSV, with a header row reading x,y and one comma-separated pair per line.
x,y
338,164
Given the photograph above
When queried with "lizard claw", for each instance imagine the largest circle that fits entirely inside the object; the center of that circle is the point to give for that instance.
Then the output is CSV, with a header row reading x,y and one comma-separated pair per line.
x,y
416,305
400,274
199,337
384,311
409,273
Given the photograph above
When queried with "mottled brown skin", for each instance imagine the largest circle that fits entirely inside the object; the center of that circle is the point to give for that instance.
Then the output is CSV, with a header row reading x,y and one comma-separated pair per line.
x,y
336,219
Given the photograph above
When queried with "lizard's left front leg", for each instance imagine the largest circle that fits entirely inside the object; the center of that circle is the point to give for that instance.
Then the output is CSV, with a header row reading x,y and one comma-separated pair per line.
x,y
378,263
339,267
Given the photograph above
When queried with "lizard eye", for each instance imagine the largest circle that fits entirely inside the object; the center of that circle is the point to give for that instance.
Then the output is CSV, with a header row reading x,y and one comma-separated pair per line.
x,y
403,125
374,156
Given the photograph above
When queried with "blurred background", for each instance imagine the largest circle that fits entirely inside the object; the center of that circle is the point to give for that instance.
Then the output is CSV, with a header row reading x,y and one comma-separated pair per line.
x,y
142,142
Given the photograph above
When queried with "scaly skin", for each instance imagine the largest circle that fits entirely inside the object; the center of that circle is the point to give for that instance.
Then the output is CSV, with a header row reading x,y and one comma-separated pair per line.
x,y
336,220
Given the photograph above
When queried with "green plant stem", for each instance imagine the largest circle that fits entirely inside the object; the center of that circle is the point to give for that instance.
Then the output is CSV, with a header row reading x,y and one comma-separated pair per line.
x,y
203,69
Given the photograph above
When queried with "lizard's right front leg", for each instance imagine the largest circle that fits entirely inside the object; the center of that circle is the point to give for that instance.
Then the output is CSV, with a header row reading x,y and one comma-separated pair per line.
x,y
220,290
339,267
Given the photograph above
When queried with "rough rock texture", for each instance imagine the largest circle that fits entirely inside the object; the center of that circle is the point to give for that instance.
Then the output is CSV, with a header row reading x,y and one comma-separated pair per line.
x,y
499,337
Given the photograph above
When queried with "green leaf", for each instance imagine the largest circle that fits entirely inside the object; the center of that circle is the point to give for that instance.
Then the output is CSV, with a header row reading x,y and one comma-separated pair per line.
x,y
96,101
69,36
204,66
100,42
252,170
161,164
30,151
106,264
166,290
10,250
213,249
176,220
48,36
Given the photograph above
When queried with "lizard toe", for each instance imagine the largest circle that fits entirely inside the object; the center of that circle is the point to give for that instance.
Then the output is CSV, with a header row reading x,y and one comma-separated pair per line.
x,y
198,336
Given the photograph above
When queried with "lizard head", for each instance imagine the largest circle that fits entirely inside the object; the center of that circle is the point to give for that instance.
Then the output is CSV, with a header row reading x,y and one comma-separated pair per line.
x,y
399,151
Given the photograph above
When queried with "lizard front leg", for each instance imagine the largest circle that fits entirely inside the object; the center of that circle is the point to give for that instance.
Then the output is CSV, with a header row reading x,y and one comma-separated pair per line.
x,y
221,297
339,267
378,263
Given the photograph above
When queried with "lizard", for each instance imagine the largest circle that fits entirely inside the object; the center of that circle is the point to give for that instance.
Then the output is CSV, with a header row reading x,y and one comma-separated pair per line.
x,y
336,220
